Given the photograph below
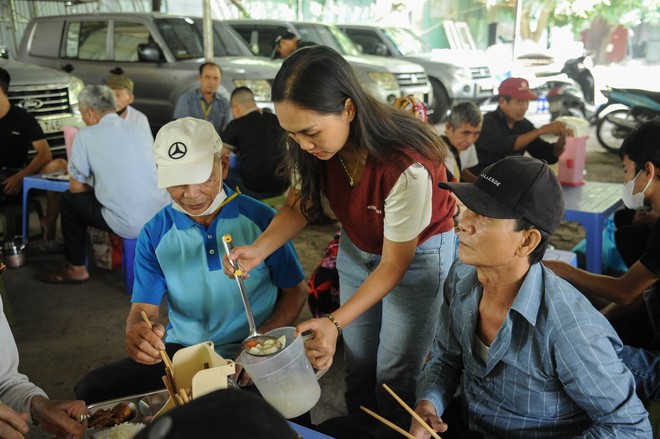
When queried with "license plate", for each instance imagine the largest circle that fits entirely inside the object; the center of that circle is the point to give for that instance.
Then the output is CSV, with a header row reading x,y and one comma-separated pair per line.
x,y
51,126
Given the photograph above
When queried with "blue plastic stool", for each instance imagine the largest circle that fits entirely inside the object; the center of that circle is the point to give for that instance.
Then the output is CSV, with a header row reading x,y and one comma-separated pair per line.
x,y
127,262
39,182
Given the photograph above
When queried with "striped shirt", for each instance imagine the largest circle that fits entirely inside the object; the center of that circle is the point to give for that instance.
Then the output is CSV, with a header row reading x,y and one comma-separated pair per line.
x,y
552,369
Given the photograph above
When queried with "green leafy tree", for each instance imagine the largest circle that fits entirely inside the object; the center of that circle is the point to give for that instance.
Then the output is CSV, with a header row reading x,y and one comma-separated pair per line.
x,y
600,18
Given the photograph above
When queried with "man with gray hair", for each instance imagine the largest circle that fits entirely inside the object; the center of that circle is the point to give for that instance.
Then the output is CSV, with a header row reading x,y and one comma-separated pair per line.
x,y
178,261
113,181
462,129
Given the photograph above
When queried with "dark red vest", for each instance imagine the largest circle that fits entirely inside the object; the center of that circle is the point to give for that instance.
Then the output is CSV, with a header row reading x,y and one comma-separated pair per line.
x,y
361,209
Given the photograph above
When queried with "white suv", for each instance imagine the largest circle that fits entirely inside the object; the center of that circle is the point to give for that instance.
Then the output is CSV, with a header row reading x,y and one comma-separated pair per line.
x,y
386,79
49,95
455,75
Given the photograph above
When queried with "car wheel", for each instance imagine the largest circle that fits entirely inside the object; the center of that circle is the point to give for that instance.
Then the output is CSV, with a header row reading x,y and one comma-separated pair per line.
x,y
441,102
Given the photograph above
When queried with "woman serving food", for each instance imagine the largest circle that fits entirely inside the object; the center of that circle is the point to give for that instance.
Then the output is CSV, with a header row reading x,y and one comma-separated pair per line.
x,y
379,168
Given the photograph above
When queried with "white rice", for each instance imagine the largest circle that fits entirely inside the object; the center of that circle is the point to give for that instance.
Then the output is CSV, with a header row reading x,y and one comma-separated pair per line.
x,y
127,430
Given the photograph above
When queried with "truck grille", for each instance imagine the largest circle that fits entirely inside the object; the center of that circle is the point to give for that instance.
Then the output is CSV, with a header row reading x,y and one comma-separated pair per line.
x,y
480,72
42,102
411,79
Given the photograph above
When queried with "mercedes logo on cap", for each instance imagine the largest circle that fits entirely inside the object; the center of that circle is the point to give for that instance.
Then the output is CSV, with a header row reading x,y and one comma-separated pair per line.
x,y
177,150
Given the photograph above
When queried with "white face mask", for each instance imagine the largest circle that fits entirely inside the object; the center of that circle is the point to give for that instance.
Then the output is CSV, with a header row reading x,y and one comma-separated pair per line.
x,y
215,205
634,201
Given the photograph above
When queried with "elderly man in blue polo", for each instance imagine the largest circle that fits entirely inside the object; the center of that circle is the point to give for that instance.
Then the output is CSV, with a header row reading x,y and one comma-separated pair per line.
x,y
179,258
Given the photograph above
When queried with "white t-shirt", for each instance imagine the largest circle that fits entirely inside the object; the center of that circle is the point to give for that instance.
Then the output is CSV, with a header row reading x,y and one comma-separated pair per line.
x,y
408,205
468,159
138,117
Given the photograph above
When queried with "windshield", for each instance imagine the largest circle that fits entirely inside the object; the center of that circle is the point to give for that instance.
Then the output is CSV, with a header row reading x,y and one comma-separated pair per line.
x,y
225,40
328,35
184,37
181,37
405,41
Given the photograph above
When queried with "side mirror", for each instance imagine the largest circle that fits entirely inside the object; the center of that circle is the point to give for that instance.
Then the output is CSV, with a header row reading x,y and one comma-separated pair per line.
x,y
380,49
149,53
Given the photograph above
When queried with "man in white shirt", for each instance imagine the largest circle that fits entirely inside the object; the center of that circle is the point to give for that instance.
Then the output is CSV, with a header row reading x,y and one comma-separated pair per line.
x,y
122,87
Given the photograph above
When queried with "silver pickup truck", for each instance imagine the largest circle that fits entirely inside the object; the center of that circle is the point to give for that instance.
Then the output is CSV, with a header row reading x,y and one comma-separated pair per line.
x,y
160,53
49,95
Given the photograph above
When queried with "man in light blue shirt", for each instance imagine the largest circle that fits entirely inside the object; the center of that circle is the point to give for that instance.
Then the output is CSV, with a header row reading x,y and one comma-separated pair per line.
x,y
112,183
179,259
537,359
206,102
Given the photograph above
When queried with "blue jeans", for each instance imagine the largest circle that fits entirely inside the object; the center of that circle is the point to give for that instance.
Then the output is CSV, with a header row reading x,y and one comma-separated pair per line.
x,y
389,342
645,367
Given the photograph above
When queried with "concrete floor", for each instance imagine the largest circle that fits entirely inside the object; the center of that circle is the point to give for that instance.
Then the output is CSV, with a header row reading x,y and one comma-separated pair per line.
x,y
62,332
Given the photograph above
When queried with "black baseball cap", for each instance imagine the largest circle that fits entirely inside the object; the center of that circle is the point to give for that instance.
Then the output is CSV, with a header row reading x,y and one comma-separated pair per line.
x,y
285,36
515,187
227,413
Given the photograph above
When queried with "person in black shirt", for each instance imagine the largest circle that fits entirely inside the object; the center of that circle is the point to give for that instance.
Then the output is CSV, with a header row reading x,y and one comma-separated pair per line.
x,y
288,43
505,131
622,296
18,132
255,137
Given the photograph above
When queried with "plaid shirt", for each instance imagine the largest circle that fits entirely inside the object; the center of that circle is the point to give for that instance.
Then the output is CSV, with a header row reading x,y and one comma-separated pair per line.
x,y
552,370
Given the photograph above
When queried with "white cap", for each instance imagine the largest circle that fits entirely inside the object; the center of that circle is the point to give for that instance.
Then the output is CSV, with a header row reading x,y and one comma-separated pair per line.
x,y
184,151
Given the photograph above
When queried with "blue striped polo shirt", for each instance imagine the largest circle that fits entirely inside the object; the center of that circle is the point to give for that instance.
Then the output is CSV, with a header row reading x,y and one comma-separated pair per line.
x,y
182,259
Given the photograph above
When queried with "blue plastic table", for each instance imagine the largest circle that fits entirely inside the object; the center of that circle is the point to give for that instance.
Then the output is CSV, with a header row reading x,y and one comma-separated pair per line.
x,y
307,433
39,182
589,205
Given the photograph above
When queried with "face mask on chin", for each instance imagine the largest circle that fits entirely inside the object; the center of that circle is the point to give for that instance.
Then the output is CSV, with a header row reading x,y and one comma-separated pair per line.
x,y
634,201
215,205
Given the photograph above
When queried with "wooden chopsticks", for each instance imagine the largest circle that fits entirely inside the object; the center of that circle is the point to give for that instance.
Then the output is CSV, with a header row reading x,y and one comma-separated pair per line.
x,y
163,353
168,378
408,409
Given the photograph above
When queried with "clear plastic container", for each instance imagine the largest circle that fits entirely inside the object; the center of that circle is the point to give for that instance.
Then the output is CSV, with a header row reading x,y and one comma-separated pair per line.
x,y
285,379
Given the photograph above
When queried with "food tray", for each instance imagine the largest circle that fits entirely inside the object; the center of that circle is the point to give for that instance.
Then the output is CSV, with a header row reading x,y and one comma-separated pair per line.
x,y
144,406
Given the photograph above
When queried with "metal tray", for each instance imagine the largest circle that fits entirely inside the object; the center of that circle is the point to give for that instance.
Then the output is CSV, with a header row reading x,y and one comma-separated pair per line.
x,y
144,407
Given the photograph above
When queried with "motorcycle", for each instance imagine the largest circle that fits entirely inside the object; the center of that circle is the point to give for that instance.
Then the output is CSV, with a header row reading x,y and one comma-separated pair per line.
x,y
624,110
572,92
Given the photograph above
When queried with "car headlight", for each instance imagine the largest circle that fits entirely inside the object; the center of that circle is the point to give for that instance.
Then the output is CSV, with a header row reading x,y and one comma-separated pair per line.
x,y
460,73
260,88
75,86
384,79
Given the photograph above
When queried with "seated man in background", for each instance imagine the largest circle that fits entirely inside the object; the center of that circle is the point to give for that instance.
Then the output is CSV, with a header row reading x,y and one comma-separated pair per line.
x,y
537,359
179,257
621,298
255,137
19,131
462,129
206,102
113,181
505,131
24,402
122,87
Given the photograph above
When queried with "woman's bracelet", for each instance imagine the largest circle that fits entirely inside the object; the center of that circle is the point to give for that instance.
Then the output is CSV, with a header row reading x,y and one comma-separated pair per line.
x,y
333,320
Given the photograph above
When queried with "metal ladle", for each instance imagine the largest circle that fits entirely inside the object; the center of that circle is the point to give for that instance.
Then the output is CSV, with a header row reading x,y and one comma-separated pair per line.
x,y
254,336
